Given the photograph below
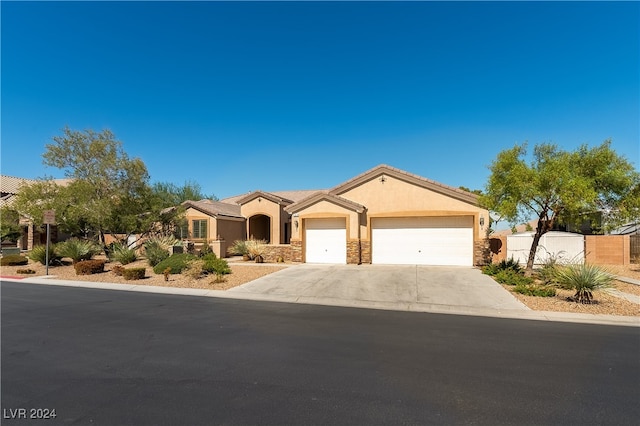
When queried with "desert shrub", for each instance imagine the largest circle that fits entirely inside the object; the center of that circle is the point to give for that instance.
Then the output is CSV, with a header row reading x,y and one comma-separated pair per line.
x,y
89,267
205,249
505,265
39,254
220,269
117,270
133,273
122,253
512,277
77,249
584,279
256,248
238,248
194,268
13,260
155,254
25,271
156,249
177,262
535,290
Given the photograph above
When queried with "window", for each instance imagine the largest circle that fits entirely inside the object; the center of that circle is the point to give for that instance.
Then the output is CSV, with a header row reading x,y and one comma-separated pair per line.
x,y
182,231
200,229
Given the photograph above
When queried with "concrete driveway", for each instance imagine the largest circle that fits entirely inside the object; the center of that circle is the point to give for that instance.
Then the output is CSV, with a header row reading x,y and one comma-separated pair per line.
x,y
409,287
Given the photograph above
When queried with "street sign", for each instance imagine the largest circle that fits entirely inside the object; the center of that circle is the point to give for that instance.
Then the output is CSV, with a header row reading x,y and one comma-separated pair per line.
x,y
50,217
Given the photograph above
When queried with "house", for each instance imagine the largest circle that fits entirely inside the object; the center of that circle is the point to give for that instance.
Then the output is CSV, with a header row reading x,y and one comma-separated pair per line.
x,y
31,234
384,216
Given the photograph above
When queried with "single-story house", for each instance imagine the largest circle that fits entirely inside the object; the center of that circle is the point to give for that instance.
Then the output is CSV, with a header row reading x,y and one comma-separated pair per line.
x,y
382,216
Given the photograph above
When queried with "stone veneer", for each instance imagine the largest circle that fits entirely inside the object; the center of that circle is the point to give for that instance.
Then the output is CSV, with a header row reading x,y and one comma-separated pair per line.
x,y
481,252
273,251
295,251
365,251
353,252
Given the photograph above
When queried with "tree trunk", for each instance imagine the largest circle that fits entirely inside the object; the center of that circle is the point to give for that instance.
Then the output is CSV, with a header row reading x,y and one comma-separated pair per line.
x,y
532,253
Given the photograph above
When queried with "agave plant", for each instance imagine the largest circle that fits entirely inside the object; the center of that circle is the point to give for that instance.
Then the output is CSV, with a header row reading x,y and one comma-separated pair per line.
x,y
77,249
584,279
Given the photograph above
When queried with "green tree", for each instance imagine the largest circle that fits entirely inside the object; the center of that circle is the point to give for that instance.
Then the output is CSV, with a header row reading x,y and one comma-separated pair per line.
x,y
9,224
107,191
559,183
171,194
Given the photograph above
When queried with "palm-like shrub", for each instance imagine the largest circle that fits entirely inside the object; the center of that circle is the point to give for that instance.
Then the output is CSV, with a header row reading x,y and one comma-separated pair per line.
x,y
122,253
39,254
78,250
584,279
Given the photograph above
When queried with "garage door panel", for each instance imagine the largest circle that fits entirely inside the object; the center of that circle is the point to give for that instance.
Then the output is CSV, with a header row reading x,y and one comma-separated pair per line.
x,y
423,240
326,241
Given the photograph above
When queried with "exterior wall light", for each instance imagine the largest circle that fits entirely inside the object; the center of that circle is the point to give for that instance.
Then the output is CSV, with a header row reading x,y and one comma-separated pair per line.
x,y
481,221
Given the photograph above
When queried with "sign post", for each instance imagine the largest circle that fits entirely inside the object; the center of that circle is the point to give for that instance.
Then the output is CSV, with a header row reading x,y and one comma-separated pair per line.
x,y
49,219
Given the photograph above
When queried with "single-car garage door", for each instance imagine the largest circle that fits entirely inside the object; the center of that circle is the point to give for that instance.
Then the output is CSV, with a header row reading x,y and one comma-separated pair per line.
x,y
422,240
325,240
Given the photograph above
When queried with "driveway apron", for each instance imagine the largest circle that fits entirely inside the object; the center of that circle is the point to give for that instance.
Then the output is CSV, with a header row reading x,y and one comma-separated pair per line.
x,y
403,284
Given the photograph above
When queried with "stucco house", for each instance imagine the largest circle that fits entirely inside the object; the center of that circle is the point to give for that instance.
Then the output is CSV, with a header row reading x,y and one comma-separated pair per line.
x,y
384,215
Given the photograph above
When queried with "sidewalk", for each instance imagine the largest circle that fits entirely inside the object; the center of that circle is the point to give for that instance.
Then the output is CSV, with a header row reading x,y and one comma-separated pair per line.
x,y
397,306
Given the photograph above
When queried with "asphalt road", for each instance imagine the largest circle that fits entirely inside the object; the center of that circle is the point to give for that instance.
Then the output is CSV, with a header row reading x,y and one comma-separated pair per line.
x,y
103,357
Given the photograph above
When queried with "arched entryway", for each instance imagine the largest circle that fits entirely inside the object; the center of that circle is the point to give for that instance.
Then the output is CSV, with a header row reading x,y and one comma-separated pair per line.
x,y
260,227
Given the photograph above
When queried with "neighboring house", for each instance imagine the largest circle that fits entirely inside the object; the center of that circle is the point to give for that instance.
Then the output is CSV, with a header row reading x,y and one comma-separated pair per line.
x,y
384,215
31,234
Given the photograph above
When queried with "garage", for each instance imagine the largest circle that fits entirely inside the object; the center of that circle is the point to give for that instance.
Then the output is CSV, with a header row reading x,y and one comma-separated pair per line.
x,y
326,240
441,240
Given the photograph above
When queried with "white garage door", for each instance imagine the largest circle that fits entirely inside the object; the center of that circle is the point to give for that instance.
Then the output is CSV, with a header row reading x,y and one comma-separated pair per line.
x,y
422,240
326,240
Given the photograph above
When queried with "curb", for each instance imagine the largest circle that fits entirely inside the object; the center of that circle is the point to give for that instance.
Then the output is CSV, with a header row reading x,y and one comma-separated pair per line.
x,y
362,304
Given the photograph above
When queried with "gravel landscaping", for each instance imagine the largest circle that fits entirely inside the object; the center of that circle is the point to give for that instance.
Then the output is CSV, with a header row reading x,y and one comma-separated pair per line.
x,y
243,272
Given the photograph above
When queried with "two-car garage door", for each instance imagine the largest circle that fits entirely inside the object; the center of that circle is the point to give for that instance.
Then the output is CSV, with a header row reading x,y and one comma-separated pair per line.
x,y
422,240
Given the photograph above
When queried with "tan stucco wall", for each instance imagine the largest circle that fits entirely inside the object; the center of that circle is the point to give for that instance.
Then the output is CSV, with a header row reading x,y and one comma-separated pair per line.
x,y
325,209
228,229
268,208
395,197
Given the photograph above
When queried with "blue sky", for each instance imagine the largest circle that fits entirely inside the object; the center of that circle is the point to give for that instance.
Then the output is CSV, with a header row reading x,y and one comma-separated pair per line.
x,y
297,95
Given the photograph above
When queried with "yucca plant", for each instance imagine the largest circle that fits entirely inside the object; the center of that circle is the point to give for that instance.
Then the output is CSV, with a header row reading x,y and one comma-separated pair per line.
x,y
39,254
256,249
156,249
238,248
77,249
584,279
123,254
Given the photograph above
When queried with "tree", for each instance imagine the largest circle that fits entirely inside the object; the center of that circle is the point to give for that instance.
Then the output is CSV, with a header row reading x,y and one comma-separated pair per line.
x,y
558,183
10,229
171,194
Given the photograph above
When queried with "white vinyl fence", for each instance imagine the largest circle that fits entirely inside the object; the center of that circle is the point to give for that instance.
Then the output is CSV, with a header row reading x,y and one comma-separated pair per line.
x,y
566,247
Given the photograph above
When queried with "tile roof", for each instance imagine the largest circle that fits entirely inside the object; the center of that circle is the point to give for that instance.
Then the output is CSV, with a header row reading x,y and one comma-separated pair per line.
x,y
287,195
10,184
215,208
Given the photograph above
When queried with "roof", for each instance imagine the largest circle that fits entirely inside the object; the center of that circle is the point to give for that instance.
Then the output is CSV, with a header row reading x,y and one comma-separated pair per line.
x,y
215,208
384,169
523,227
10,185
292,196
325,196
